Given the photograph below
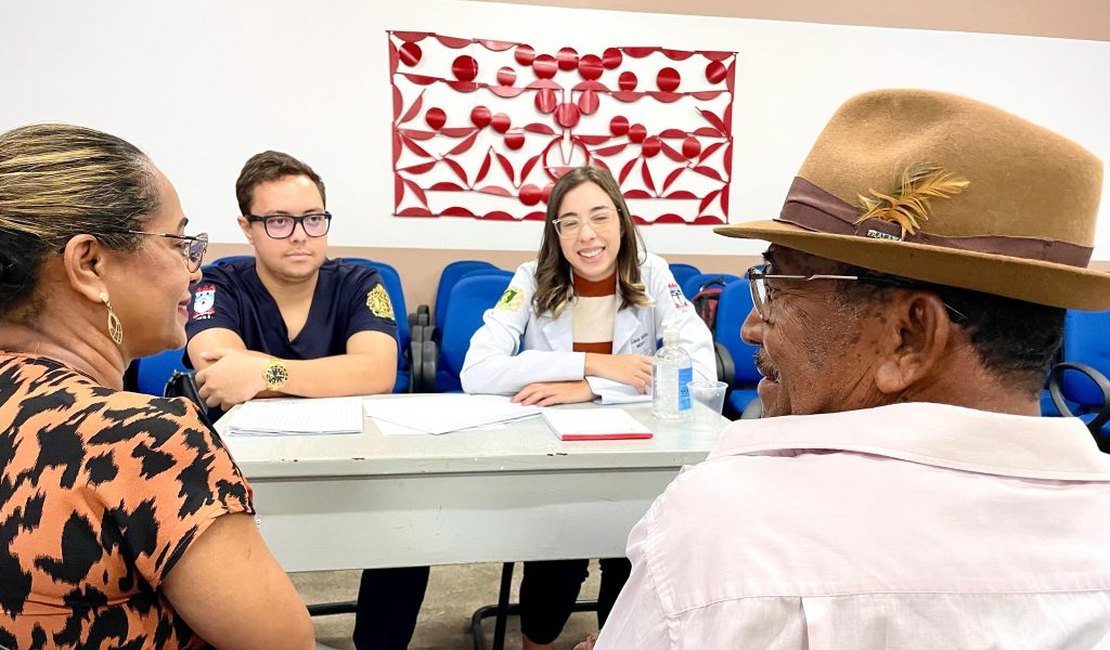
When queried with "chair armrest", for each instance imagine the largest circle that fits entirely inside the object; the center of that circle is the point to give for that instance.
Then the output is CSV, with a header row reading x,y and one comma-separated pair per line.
x,y
424,315
416,361
726,367
428,365
1056,377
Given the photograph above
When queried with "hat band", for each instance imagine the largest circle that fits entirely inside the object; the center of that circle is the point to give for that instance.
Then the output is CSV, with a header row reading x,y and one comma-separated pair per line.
x,y
812,208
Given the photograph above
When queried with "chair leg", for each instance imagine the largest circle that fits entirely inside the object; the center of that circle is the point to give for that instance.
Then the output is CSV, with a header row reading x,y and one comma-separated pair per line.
x,y
503,606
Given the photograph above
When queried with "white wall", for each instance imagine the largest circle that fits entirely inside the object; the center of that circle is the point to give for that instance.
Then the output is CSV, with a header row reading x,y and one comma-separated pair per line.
x,y
202,85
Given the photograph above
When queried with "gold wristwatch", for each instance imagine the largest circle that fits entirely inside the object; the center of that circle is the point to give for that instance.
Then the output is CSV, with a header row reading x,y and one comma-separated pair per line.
x,y
275,374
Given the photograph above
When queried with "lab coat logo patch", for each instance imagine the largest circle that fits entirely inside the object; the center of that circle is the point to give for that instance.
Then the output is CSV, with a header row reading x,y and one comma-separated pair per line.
x,y
204,302
377,301
677,298
511,300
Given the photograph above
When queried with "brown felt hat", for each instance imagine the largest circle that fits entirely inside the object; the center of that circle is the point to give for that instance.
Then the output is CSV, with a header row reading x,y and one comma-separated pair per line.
x,y
948,190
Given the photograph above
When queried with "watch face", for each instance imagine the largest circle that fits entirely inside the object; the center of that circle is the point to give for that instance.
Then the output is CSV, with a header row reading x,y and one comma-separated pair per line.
x,y
276,374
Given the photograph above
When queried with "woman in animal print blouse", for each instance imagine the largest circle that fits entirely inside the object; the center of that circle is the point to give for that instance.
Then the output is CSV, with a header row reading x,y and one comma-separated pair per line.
x,y
124,522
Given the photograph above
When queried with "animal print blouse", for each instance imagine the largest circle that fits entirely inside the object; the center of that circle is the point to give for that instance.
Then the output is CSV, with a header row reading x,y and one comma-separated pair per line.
x,y
101,493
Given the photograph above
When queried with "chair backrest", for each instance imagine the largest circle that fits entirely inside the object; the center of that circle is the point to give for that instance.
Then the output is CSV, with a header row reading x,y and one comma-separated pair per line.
x,y
682,272
451,274
154,371
392,281
470,298
1086,342
733,308
693,283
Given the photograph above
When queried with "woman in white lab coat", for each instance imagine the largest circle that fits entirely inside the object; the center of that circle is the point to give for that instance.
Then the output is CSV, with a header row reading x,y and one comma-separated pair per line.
x,y
579,323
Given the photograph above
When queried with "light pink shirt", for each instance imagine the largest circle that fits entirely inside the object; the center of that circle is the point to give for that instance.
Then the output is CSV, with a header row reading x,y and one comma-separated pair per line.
x,y
907,526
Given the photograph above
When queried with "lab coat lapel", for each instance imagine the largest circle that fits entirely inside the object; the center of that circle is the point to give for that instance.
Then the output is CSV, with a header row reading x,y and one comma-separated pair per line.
x,y
559,332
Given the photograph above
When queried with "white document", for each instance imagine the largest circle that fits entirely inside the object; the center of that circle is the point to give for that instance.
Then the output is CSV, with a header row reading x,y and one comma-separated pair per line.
x,y
622,398
297,416
444,412
595,424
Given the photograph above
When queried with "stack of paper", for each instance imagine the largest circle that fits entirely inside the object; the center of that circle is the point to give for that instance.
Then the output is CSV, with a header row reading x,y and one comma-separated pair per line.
x,y
271,417
595,424
441,413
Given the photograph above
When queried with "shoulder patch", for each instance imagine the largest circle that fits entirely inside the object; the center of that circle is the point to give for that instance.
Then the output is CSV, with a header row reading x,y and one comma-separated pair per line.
x,y
204,302
377,301
677,298
511,300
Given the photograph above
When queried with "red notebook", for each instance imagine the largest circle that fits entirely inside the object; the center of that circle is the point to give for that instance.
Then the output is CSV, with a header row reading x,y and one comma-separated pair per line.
x,y
598,423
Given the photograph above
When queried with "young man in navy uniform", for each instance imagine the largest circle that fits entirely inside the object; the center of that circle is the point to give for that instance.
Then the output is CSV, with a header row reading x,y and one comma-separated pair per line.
x,y
291,322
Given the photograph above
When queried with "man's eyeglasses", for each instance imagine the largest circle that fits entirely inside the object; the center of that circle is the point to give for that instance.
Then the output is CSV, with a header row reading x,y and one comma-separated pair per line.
x,y
600,221
281,226
192,247
762,294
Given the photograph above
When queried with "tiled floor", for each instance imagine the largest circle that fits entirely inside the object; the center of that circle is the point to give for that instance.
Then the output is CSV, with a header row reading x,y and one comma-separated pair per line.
x,y
454,592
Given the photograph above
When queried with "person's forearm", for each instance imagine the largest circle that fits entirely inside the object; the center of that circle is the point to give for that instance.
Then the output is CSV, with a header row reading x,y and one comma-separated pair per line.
x,y
345,374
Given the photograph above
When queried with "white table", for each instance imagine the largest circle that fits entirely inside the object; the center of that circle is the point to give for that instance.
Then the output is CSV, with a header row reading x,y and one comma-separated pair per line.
x,y
516,493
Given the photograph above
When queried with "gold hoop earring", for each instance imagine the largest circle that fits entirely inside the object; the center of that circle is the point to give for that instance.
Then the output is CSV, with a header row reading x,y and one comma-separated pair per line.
x,y
115,327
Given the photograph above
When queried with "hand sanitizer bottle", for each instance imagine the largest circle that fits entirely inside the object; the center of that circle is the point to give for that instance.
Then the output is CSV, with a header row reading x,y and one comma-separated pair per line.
x,y
669,378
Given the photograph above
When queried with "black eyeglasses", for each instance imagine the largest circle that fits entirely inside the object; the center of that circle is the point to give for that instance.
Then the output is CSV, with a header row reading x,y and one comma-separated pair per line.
x,y
761,294
192,247
281,226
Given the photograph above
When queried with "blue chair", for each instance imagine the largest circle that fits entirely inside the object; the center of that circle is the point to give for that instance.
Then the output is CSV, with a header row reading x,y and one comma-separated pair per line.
x,y
392,281
735,358
451,274
682,272
1085,391
154,371
470,298
694,283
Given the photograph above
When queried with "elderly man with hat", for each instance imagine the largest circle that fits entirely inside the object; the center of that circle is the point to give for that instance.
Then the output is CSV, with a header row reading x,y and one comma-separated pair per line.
x,y
901,490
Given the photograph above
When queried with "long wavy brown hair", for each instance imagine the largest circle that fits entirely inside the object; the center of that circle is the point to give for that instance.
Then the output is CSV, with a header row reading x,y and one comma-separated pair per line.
x,y
554,282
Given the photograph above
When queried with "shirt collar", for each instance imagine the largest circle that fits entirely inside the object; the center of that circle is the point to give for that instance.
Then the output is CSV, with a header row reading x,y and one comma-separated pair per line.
x,y
941,435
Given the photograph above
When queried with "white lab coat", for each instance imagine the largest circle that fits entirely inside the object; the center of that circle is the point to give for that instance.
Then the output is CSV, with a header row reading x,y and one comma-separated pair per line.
x,y
516,347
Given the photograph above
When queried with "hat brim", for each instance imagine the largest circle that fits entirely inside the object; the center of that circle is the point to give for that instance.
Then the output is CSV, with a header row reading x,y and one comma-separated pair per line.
x,y
1044,283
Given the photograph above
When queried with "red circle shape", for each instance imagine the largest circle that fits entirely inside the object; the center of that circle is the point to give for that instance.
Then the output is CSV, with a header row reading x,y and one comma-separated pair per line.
x,y
530,194
545,66
691,147
568,58
618,126
514,140
465,68
715,72
410,54
588,102
545,100
651,146
627,80
637,133
501,122
611,58
667,80
524,54
436,118
545,193
590,67
506,76
567,115
480,117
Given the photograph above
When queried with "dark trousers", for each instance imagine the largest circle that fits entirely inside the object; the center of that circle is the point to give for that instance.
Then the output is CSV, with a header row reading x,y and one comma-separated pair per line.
x,y
548,591
388,603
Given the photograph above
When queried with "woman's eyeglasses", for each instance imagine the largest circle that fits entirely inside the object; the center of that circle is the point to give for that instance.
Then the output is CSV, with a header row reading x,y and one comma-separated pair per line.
x,y
600,221
192,247
281,226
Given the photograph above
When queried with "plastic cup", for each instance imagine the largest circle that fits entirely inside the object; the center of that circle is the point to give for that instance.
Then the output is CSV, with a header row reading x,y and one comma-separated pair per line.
x,y
708,399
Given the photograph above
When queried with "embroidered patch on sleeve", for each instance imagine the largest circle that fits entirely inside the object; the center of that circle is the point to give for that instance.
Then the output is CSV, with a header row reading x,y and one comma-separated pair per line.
x,y
511,300
677,298
377,301
204,302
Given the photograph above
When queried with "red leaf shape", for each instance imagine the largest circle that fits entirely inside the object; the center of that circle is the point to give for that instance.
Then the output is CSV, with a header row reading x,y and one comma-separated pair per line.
x,y
724,201
453,42
593,139
678,55
484,169
463,86
458,170
728,119
626,170
415,212
716,56
728,160
412,37
493,189
681,194
707,200
496,46
707,220
457,131
419,168
536,127
444,186
464,145
669,217
398,103
396,147
418,191
398,191
414,109
709,151
415,148
498,215
671,177
673,133
706,95
708,171
535,216
417,134
610,150
637,194
507,166
730,76
505,91
666,97
626,96
456,211
714,120
639,52
672,153
527,169
708,131
646,174
420,79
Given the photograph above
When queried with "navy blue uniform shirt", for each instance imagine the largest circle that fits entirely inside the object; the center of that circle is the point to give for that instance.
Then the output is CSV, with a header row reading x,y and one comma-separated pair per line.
x,y
349,298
